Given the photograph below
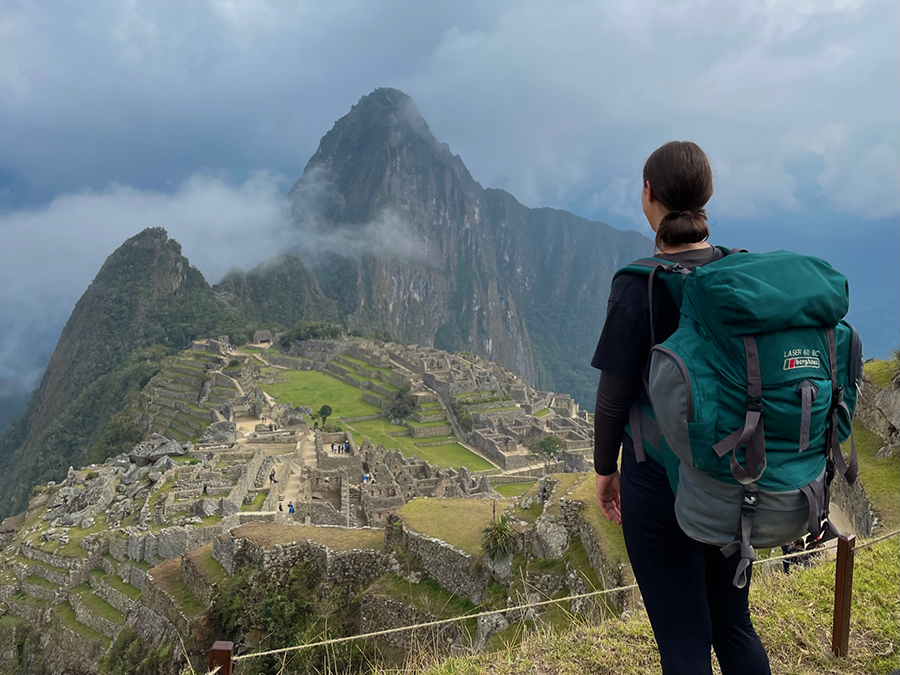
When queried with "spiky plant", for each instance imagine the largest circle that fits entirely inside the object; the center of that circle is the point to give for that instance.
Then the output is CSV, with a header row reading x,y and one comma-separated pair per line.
x,y
499,538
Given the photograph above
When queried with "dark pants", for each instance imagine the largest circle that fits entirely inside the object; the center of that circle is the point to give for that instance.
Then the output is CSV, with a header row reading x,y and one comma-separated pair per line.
x,y
687,586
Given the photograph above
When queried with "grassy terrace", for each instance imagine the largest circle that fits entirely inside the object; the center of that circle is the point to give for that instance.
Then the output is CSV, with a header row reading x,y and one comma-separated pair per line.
x,y
879,477
168,577
209,567
98,605
66,616
42,582
117,584
257,503
881,372
542,413
512,489
366,365
457,521
426,595
335,538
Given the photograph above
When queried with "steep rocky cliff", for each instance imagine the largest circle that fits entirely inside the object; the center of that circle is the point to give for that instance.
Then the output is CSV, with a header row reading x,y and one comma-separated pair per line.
x,y
146,301
420,251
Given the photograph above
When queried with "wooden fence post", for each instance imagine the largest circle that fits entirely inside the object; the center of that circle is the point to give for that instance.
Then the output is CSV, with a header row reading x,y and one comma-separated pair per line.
x,y
220,656
843,593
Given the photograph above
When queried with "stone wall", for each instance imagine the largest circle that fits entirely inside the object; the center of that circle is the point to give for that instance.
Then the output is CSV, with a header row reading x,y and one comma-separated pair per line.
x,y
852,501
68,652
163,604
428,432
380,613
454,569
193,578
115,598
133,544
610,575
92,620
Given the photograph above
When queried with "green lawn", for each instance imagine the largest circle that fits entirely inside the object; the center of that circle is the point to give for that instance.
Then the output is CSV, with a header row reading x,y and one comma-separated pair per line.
x,y
542,413
450,455
453,455
880,478
881,372
314,389
457,521
512,489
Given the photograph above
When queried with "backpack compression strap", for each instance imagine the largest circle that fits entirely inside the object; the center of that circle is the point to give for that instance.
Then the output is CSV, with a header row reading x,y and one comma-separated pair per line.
x,y
753,435
848,472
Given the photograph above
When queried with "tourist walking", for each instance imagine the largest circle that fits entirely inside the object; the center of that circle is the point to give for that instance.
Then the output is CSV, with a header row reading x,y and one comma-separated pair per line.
x,y
272,477
687,586
291,508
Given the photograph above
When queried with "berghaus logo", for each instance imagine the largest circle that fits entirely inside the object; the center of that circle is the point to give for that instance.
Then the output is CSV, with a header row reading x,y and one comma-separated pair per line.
x,y
801,362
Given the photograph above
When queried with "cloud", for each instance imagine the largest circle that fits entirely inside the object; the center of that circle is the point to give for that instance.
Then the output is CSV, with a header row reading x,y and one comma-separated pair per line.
x,y
51,253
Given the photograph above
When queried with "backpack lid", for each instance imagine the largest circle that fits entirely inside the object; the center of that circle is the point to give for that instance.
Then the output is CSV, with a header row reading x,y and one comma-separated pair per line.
x,y
766,292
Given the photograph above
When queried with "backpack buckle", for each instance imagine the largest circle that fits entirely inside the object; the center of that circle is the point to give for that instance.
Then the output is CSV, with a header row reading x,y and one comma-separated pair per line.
x,y
840,395
754,403
748,503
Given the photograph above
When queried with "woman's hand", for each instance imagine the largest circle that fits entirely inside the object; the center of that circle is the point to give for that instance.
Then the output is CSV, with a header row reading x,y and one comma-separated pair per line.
x,y
608,496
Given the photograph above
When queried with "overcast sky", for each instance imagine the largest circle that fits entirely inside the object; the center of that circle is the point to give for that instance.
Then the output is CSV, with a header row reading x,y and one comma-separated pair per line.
x,y
197,115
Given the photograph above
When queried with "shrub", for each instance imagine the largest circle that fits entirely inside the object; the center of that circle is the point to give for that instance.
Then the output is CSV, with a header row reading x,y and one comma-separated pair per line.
x,y
499,538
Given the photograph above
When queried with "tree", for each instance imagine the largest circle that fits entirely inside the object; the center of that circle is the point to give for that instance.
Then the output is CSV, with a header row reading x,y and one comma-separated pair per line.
x,y
324,413
403,404
547,449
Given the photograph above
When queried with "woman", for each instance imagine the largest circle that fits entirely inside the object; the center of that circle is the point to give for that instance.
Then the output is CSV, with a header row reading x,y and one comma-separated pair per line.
x,y
686,585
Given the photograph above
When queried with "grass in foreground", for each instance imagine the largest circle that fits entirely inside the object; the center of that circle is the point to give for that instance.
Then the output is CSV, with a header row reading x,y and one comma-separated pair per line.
x,y
457,521
792,614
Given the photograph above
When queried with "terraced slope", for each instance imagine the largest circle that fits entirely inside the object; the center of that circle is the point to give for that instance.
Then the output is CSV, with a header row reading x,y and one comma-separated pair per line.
x,y
182,400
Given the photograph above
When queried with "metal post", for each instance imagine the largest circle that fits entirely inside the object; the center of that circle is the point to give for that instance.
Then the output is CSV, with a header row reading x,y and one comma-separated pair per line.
x,y
843,592
220,656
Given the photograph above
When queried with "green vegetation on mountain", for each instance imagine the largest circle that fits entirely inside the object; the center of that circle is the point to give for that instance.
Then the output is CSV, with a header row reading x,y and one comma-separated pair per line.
x,y
279,291
146,302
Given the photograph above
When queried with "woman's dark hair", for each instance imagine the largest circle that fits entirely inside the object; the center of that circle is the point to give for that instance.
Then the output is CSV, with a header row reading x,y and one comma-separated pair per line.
x,y
680,180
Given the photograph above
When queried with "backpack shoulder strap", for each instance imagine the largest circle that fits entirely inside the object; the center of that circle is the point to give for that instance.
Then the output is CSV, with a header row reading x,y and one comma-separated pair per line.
x,y
642,267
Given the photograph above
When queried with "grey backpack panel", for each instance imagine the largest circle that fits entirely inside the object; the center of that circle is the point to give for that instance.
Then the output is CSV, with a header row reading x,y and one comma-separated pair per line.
x,y
709,510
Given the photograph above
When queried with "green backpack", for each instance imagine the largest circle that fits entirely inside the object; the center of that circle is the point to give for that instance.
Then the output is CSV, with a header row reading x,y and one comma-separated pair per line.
x,y
751,397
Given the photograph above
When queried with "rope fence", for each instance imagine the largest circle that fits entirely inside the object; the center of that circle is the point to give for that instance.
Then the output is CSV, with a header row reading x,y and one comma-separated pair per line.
x,y
221,656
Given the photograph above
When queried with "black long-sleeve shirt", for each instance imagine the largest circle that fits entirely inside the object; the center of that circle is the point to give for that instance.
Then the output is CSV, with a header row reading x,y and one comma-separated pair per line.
x,y
623,352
